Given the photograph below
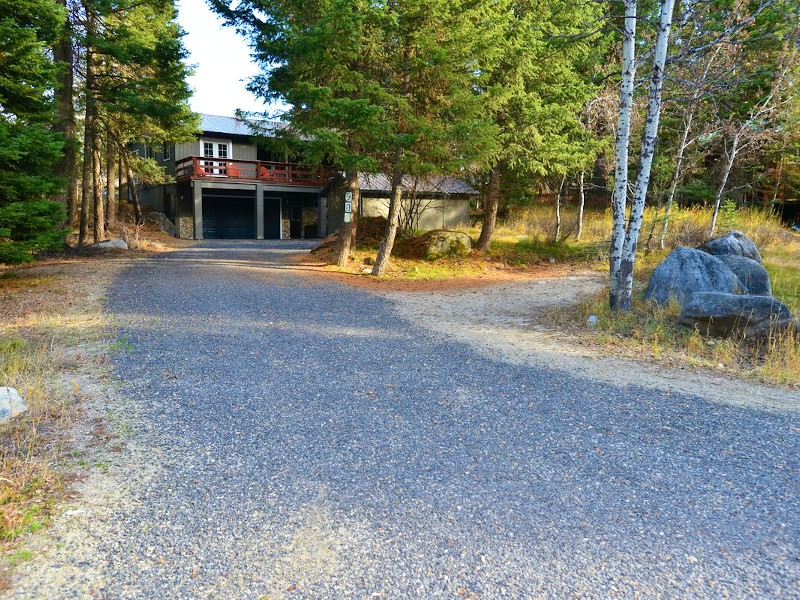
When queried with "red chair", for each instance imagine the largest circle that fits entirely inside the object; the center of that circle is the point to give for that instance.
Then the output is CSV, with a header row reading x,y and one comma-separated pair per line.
x,y
264,173
233,170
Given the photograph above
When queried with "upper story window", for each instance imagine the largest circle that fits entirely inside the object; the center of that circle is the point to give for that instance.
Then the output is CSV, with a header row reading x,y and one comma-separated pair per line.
x,y
222,150
208,149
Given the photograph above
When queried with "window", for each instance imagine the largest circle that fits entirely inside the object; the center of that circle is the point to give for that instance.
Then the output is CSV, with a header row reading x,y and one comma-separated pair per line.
x,y
222,150
166,151
208,149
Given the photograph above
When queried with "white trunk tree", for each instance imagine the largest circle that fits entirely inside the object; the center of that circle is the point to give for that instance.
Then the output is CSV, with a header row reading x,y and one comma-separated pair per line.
x,y
625,239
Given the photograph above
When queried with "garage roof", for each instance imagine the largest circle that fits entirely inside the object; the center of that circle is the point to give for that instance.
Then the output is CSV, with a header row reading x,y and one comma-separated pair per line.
x,y
434,184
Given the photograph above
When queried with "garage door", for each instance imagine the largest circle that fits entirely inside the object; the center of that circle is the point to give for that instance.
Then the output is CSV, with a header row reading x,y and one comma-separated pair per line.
x,y
228,217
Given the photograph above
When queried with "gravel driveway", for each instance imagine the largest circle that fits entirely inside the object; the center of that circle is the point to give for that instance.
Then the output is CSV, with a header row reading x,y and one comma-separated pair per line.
x,y
295,438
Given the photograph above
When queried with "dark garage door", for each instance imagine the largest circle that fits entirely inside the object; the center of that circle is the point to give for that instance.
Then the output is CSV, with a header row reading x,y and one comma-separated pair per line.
x,y
228,216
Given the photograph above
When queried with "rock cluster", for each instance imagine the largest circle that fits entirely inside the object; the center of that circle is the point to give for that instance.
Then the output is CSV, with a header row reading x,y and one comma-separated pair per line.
x,y
723,288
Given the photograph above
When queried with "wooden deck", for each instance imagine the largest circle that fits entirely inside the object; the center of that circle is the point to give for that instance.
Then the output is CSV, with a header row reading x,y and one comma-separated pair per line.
x,y
249,171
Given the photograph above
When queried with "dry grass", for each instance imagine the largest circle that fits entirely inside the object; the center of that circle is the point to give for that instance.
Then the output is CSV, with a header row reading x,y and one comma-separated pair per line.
x,y
53,335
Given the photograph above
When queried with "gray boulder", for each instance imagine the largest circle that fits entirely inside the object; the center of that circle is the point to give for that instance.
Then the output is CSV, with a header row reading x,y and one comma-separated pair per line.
x,y
686,271
735,243
120,244
11,404
446,244
752,276
721,314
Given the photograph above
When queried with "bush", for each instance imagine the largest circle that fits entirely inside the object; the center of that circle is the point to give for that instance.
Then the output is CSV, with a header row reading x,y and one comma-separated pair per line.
x,y
30,228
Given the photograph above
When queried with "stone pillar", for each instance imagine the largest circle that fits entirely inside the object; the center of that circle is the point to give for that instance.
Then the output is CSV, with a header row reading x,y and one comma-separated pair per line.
x,y
197,190
259,211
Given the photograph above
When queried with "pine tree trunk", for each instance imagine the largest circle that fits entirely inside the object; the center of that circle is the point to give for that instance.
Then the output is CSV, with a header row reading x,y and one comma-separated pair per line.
x,y
111,183
345,243
721,189
676,175
777,185
131,188
99,222
581,204
619,200
624,279
88,136
490,209
65,120
557,235
387,243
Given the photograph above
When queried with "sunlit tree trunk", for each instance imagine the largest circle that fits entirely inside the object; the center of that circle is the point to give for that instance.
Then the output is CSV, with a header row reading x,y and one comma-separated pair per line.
x,y
581,204
387,243
619,199
623,284
490,209
346,241
731,156
111,183
99,222
676,175
557,233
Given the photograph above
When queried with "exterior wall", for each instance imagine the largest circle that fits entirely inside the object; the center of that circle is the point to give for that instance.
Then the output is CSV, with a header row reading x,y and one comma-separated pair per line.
x,y
243,151
185,149
435,213
184,221
240,150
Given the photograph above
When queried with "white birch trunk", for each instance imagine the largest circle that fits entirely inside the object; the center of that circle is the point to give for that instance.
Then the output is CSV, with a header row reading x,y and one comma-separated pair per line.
x,y
624,283
676,176
620,198
721,189
581,204
557,235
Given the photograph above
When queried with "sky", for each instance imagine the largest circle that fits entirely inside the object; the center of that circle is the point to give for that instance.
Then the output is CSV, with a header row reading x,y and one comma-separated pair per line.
x,y
221,62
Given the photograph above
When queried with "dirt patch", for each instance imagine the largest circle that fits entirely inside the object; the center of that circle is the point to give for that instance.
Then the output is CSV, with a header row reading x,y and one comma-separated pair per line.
x,y
493,274
505,321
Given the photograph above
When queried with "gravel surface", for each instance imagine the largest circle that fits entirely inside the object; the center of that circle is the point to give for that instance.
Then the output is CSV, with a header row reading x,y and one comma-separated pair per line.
x,y
290,437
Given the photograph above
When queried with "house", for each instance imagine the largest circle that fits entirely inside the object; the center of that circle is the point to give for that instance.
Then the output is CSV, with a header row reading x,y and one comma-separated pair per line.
x,y
227,187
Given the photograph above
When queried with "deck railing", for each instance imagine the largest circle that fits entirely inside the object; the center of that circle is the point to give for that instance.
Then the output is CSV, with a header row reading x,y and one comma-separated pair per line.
x,y
278,173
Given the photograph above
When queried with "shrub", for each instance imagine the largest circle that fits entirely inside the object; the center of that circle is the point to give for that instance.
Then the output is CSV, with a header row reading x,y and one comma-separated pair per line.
x,y
30,228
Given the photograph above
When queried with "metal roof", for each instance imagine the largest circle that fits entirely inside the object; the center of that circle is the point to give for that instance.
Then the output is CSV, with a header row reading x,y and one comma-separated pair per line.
x,y
234,126
436,184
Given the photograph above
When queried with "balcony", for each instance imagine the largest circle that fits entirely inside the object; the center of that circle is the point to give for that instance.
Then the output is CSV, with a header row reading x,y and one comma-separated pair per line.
x,y
249,171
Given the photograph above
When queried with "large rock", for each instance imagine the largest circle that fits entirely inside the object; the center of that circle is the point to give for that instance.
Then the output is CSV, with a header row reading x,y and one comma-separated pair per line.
x,y
720,314
446,244
686,271
11,404
752,276
735,243
120,244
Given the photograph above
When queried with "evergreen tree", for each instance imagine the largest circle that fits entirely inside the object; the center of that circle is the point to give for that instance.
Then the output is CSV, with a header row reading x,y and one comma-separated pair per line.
x,y
535,93
29,149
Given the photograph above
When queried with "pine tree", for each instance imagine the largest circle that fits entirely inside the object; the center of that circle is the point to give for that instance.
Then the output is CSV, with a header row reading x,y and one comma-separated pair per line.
x,y
29,149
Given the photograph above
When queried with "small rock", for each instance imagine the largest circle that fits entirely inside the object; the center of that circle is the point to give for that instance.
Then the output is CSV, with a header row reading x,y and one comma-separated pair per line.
x,y
11,404
551,260
120,244
592,321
